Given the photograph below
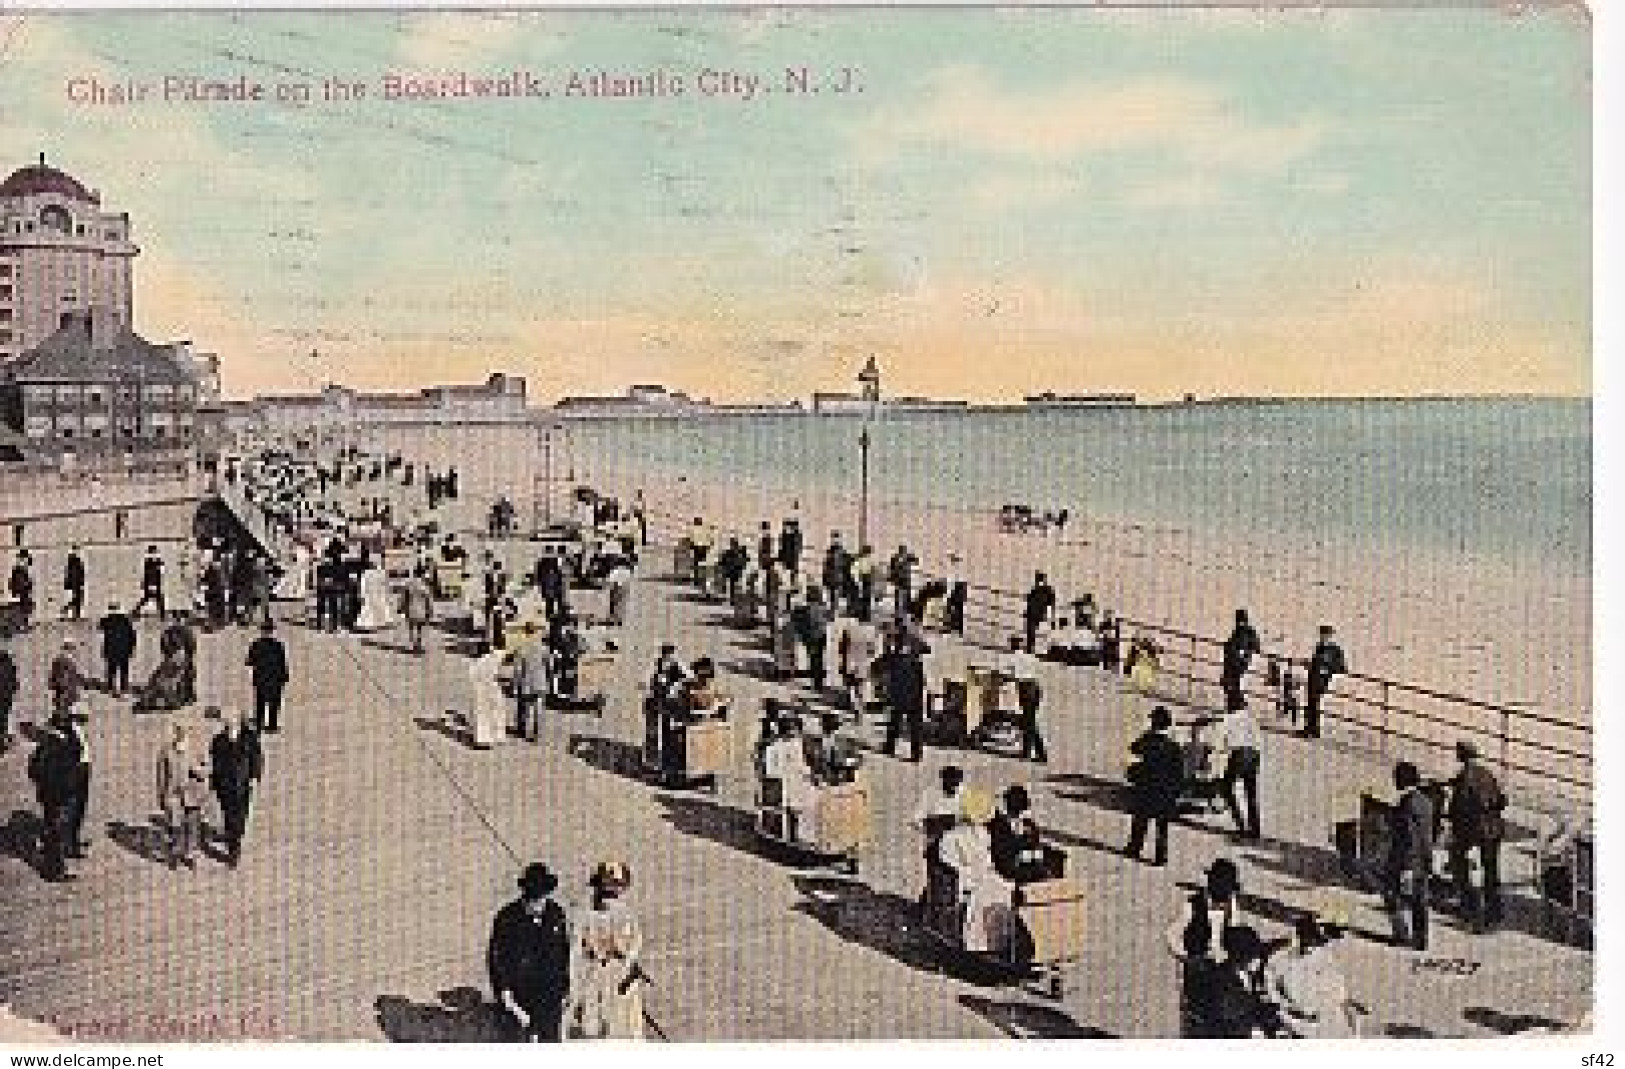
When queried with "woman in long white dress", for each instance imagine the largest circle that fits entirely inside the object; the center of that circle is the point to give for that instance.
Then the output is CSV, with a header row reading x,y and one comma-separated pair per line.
x,y
295,582
985,895
489,704
377,601
606,980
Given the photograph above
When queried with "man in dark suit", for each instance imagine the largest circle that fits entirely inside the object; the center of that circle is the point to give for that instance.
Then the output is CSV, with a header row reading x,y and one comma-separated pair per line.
x,y
73,581
73,836
529,957
1040,607
236,763
1325,663
152,583
905,694
1019,852
54,770
118,648
1239,649
1410,858
268,663
1155,782
8,693
1476,802
329,592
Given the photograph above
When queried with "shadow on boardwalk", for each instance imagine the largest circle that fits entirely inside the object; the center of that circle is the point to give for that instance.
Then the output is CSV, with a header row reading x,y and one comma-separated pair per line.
x,y
149,841
719,823
878,920
1028,1020
461,1016
20,836
609,755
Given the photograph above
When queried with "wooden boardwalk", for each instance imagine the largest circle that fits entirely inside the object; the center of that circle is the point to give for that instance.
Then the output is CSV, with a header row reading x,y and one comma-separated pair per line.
x,y
381,845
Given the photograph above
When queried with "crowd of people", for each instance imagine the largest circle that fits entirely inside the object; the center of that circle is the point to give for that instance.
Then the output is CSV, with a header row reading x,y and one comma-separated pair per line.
x,y
363,563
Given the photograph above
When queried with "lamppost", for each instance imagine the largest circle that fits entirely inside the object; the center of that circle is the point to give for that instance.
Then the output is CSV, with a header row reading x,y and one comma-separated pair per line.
x,y
869,379
545,479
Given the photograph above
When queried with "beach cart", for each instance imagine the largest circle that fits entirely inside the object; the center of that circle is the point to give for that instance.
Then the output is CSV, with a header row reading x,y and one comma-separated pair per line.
x,y
449,578
988,725
1035,939
682,751
834,829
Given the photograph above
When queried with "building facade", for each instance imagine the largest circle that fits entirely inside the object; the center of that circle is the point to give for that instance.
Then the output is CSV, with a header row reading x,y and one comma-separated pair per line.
x,y
501,398
59,252
98,394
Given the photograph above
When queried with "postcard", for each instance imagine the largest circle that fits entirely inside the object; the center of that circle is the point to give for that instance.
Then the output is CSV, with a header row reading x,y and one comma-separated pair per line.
x,y
790,524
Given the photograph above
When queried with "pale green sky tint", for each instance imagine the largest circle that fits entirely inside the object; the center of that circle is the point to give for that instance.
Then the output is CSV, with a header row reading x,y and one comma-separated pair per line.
x,y
1379,202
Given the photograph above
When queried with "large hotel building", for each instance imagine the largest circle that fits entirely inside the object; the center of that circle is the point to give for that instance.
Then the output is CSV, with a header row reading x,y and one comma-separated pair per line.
x,y
59,252
77,384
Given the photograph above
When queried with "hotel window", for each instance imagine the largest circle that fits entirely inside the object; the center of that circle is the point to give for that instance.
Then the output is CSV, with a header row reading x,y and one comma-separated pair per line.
x,y
158,393
95,396
5,315
67,395
5,270
65,432
126,394
5,334
39,427
38,396
5,293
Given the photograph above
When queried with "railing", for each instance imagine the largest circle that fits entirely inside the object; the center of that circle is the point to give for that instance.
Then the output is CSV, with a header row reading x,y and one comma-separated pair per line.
x,y
1543,756
231,495
1547,754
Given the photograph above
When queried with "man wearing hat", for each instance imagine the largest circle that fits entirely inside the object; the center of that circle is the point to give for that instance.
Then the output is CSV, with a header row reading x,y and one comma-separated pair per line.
x,y
118,648
529,957
236,763
1155,782
1476,802
20,585
1326,662
532,680
53,768
267,662
152,583
1410,858
73,581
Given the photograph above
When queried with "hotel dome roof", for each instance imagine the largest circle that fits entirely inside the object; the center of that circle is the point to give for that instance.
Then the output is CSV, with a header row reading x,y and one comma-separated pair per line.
x,y
38,178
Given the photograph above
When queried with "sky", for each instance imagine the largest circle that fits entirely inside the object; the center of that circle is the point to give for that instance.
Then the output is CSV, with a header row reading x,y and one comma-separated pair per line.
x,y
1219,202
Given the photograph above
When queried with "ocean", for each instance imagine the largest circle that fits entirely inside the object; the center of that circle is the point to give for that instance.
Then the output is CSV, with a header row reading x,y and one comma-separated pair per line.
x,y
1506,480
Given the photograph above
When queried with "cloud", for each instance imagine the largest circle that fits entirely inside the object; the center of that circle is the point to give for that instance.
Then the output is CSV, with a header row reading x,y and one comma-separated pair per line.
x,y
438,41
1003,192
1189,191
1070,122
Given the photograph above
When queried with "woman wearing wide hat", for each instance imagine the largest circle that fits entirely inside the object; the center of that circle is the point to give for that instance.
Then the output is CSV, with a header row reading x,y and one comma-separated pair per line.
x,y
606,979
